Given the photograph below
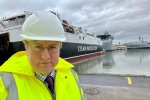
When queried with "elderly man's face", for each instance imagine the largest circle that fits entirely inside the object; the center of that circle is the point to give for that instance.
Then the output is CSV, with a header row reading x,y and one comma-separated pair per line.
x,y
44,61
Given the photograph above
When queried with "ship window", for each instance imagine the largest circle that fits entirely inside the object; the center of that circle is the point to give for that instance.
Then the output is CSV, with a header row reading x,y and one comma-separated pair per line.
x,y
17,23
79,37
80,31
21,23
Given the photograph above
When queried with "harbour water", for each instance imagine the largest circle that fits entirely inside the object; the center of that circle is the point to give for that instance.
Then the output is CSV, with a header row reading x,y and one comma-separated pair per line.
x,y
134,62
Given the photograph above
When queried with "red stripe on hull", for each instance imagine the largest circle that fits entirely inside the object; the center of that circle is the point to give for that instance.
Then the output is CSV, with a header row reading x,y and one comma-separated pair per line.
x,y
76,59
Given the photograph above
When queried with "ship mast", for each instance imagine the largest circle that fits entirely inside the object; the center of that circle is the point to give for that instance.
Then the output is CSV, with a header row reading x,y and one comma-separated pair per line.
x,y
139,37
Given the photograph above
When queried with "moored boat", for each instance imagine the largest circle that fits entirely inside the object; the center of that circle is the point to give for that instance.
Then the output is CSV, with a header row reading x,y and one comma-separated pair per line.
x,y
79,43
107,41
138,44
120,47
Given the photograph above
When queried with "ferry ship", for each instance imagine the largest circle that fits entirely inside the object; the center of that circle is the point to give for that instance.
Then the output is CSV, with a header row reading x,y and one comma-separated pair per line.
x,y
138,44
79,43
107,41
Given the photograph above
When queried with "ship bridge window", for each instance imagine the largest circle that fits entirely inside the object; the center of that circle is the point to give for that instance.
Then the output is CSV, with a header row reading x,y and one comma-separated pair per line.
x,y
103,37
16,17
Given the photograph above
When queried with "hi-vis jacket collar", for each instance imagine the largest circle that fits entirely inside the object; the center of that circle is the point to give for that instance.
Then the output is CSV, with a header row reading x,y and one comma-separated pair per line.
x,y
15,64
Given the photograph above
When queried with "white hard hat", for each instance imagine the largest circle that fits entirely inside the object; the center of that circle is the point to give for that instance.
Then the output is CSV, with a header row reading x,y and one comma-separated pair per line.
x,y
42,25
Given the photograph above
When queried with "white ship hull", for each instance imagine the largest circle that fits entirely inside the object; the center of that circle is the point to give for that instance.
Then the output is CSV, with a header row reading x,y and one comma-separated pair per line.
x,y
79,44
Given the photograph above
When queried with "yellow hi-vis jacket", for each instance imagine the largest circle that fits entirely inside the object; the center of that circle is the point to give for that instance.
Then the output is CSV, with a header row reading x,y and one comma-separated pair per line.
x,y
18,81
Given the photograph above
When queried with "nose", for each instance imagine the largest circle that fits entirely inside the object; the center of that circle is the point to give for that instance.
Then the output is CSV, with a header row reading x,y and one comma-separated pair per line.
x,y
45,54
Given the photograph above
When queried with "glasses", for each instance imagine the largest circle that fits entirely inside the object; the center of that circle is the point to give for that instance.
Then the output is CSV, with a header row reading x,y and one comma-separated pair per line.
x,y
37,48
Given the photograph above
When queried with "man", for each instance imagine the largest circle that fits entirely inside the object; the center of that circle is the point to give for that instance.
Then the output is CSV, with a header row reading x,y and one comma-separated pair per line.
x,y
38,73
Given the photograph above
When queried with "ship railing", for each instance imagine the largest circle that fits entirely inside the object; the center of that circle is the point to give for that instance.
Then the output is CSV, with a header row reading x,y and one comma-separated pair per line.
x,y
16,23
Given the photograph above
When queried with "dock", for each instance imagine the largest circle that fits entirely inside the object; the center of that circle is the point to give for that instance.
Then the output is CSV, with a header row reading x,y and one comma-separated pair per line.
x,y
99,87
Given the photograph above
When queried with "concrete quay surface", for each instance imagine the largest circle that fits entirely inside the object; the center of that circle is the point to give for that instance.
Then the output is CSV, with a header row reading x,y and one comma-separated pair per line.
x,y
98,87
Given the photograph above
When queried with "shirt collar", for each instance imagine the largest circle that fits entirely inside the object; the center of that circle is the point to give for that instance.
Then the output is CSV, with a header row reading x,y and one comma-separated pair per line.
x,y
43,77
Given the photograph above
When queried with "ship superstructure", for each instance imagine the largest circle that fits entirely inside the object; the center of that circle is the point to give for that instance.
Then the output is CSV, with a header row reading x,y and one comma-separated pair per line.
x,y
79,43
107,41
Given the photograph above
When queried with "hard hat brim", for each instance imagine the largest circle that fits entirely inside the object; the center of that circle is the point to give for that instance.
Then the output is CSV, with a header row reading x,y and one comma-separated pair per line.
x,y
24,37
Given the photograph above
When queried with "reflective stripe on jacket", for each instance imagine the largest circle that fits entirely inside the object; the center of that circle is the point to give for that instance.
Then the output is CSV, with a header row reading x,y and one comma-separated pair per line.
x,y
17,81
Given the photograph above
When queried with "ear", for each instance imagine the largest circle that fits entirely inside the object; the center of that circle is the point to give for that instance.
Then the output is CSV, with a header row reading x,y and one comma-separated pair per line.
x,y
26,49
25,46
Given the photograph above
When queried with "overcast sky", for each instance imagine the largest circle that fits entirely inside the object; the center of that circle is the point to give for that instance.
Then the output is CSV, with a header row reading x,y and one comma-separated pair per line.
x,y
124,19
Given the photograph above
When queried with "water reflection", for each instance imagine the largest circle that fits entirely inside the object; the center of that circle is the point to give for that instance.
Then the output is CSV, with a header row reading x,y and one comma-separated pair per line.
x,y
123,62
138,54
84,66
108,60
95,64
